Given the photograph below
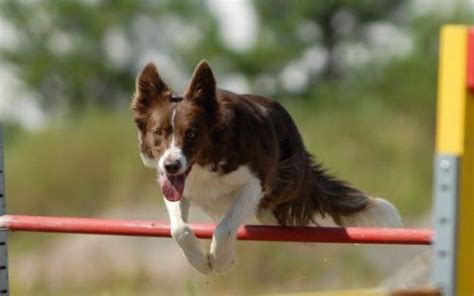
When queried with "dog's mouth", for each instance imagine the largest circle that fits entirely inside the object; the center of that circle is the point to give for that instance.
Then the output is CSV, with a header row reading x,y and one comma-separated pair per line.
x,y
172,186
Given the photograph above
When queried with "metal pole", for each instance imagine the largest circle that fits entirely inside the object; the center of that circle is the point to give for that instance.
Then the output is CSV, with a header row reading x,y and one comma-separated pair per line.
x,y
446,190
3,232
454,166
247,232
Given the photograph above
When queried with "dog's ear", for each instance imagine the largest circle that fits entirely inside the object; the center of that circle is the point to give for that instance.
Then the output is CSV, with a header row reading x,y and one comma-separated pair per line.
x,y
149,80
149,88
202,87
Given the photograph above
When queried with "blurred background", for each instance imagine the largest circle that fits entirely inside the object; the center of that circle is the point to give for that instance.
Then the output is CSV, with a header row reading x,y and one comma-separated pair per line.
x,y
359,78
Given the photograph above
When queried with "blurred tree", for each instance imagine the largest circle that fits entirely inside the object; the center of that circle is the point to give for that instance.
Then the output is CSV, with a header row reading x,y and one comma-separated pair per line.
x,y
302,24
76,54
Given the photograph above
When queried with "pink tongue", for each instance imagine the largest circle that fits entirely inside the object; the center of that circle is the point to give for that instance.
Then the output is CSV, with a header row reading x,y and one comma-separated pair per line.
x,y
172,186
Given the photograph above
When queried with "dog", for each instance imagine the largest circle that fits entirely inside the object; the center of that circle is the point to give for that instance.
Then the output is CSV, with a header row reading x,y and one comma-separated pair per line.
x,y
236,156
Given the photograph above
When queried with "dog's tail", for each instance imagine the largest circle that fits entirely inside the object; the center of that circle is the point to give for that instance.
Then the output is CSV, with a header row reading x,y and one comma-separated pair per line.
x,y
348,206
377,213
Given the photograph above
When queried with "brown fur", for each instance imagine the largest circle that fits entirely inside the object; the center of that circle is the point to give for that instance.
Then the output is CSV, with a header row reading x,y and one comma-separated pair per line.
x,y
233,130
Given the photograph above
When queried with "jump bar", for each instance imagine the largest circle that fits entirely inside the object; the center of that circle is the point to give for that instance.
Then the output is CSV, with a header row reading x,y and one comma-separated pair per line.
x,y
248,232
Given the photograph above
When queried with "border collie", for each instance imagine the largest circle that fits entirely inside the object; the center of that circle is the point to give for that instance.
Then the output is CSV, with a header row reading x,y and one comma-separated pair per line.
x,y
236,156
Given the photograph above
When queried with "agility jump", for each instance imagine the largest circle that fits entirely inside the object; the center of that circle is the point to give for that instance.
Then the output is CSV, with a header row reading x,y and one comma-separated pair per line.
x,y
452,238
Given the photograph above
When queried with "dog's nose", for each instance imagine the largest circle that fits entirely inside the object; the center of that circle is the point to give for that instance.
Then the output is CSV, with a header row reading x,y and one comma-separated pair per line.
x,y
172,166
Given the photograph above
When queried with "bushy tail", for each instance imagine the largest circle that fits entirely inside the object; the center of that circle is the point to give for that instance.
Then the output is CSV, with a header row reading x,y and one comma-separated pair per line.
x,y
315,193
377,213
350,207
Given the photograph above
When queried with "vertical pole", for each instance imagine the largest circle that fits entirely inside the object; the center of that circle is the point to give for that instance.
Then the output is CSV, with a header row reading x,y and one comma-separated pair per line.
x,y
446,174
454,167
465,258
3,232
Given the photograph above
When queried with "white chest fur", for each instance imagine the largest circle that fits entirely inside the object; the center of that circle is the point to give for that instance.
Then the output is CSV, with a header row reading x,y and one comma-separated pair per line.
x,y
214,192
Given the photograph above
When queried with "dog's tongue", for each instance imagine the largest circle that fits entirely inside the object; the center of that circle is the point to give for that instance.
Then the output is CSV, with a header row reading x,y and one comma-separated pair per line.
x,y
172,186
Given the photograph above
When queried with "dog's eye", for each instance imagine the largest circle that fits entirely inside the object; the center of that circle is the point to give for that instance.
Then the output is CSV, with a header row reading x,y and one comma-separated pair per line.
x,y
191,133
140,125
158,132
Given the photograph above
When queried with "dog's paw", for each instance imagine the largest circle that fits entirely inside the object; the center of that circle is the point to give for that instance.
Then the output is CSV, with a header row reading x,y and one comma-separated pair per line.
x,y
222,262
202,262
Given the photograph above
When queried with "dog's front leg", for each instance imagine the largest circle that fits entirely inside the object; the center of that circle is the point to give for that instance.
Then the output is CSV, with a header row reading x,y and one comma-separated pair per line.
x,y
222,247
182,233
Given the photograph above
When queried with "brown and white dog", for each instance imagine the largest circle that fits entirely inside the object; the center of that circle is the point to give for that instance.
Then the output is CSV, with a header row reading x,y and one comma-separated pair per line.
x,y
236,156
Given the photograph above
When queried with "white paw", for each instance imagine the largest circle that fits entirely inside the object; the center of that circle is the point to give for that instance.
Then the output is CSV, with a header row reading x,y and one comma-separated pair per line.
x,y
222,262
192,249
202,263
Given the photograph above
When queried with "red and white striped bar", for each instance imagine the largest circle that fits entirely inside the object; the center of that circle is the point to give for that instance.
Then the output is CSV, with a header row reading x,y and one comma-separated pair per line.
x,y
248,232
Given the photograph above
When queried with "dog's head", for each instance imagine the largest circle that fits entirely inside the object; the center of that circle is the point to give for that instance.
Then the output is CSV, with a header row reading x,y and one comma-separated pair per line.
x,y
174,131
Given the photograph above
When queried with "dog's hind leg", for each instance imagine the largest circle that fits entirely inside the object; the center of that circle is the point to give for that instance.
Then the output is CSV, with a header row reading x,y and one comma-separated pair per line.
x,y
182,233
245,205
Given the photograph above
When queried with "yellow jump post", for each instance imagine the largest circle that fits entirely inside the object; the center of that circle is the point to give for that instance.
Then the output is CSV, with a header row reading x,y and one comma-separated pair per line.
x,y
453,269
